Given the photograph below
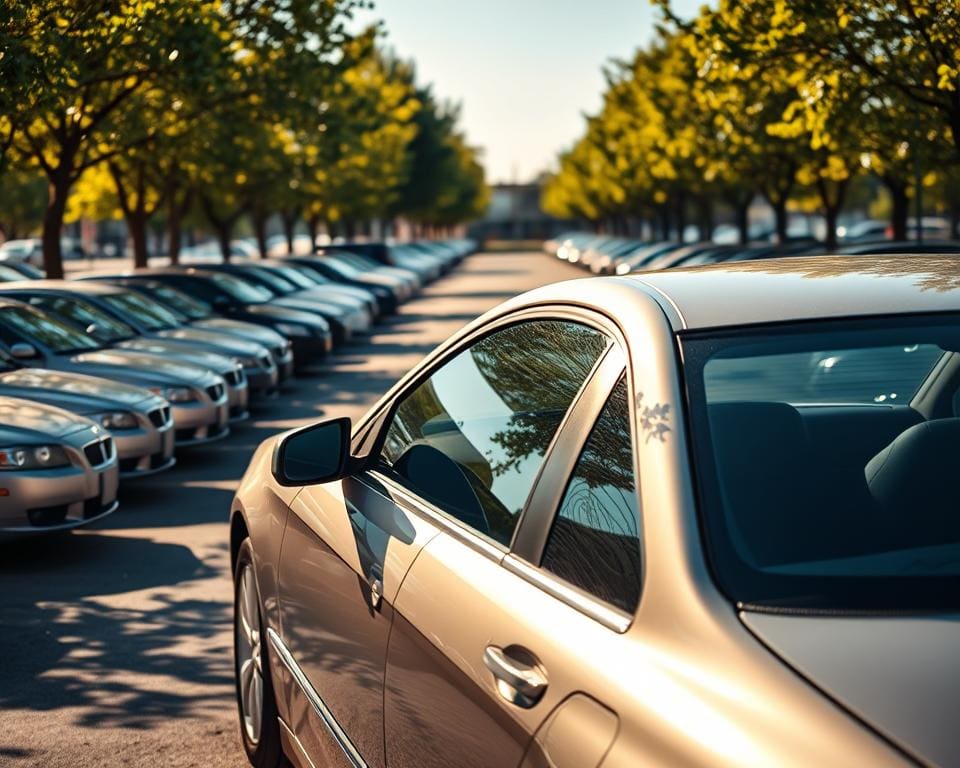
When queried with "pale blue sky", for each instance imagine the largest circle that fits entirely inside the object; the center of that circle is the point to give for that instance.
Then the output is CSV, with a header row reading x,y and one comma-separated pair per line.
x,y
523,70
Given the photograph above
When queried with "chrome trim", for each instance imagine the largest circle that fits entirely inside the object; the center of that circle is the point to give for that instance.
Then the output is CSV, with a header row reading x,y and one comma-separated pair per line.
x,y
463,533
600,612
339,735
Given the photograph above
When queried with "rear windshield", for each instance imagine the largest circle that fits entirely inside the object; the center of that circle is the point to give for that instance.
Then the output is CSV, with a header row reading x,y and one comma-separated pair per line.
x,y
826,463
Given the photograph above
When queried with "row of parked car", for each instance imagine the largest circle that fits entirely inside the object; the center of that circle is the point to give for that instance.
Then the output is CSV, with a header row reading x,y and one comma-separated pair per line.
x,y
606,255
104,377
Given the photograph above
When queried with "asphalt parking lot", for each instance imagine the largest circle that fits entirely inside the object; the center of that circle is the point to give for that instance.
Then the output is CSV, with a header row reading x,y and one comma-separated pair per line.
x,y
115,641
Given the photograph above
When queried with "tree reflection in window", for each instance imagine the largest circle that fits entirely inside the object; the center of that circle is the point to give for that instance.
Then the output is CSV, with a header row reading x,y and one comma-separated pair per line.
x,y
493,410
594,543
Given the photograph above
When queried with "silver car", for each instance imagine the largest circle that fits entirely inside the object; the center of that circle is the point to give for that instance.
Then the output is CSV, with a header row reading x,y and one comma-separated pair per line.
x,y
139,420
610,524
117,316
58,470
197,396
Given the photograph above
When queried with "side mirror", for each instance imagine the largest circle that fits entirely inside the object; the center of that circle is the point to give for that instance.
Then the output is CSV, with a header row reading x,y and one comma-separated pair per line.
x,y
24,351
319,453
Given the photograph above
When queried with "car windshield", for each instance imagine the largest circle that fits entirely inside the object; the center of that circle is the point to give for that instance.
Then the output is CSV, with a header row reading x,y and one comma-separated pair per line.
x,y
84,316
42,328
825,462
311,274
340,266
142,310
177,301
10,275
272,281
241,290
294,276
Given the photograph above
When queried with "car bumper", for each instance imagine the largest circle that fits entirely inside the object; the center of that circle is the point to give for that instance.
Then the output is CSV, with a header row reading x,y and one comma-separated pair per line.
x,y
145,453
238,401
202,422
311,349
51,500
262,381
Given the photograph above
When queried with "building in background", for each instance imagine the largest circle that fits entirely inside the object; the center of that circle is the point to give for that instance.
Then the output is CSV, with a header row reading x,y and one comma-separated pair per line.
x,y
514,214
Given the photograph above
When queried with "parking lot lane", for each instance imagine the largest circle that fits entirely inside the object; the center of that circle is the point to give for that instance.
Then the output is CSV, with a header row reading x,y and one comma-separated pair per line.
x,y
116,641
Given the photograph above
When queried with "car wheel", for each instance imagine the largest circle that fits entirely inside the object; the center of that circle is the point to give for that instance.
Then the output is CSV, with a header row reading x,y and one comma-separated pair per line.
x,y
257,706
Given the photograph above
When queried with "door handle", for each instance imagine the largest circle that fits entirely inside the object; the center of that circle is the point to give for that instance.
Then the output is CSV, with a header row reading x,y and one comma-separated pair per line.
x,y
376,592
519,681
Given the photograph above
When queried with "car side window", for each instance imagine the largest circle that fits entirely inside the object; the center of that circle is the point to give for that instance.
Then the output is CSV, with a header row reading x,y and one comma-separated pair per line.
x,y
471,438
594,543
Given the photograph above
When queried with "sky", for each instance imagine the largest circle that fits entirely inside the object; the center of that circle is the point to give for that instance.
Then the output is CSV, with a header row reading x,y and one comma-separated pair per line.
x,y
524,71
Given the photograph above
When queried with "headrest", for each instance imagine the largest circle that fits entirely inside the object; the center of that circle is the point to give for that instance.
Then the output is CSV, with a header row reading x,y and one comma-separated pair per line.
x,y
919,470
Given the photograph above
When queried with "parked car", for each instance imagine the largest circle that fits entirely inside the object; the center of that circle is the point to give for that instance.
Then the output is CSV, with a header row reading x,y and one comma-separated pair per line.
x,y
607,523
902,246
388,298
197,396
234,298
30,250
138,419
58,470
346,316
116,316
198,314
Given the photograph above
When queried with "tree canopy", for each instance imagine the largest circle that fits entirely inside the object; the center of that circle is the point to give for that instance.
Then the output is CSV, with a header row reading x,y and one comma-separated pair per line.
x,y
792,101
163,111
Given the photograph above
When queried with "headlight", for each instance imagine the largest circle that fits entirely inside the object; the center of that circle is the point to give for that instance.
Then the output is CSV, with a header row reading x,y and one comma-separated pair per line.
x,y
33,457
115,420
175,394
623,269
247,362
293,330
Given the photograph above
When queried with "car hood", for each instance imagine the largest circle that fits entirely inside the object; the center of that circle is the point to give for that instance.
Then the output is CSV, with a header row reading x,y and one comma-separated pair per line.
x,y
221,343
282,314
23,421
899,674
144,369
181,352
262,334
74,391
325,306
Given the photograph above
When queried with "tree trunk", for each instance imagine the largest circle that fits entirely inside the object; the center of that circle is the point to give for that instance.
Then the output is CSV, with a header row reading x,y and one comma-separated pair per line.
x,y
705,222
224,229
900,205
137,224
742,209
832,205
313,229
681,208
59,190
779,206
260,231
174,219
289,222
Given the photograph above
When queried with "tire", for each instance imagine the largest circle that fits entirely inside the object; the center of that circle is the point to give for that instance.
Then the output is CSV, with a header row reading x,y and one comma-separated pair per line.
x,y
260,732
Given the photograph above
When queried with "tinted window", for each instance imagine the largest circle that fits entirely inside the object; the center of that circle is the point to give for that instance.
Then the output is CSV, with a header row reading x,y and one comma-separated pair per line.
x,y
148,313
84,315
240,289
471,439
177,300
32,326
594,543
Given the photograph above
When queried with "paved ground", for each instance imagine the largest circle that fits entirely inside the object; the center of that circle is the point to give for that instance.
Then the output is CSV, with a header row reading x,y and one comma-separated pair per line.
x,y
115,645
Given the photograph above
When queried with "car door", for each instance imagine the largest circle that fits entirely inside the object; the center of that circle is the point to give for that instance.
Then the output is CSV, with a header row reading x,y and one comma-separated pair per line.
x,y
348,546
488,646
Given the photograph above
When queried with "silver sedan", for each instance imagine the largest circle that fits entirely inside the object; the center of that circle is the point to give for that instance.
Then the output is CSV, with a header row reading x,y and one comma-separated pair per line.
x,y
58,470
197,395
139,420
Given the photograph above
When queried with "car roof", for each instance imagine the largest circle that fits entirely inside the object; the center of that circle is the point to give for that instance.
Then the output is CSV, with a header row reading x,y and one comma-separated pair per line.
x,y
804,288
85,287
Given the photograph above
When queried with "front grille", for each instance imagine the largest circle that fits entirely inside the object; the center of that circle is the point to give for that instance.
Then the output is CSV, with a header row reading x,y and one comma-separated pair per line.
x,y
232,378
99,452
44,516
215,391
160,416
